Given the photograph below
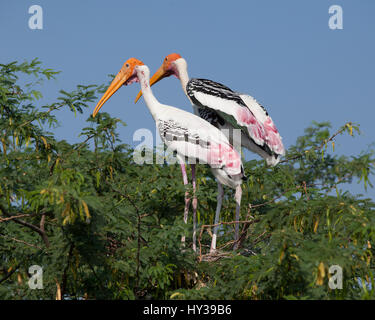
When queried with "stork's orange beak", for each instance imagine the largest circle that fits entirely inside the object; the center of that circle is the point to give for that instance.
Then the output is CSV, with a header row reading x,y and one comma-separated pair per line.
x,y
158,75
162,72
127,71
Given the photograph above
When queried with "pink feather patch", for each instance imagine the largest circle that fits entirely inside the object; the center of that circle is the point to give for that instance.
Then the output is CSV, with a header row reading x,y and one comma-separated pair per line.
x,y
255,128
224,154
273,137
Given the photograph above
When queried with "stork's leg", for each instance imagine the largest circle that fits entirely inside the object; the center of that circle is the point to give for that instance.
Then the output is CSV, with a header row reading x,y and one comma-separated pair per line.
x,y
194,203
187,198
238,197
220,195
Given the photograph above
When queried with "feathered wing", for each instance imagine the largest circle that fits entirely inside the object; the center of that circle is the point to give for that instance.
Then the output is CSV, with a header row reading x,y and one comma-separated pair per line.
x,y
272,135
240,111
199,141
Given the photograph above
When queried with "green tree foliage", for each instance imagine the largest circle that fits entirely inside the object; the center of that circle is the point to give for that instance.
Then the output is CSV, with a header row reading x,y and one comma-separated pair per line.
x,y
103,227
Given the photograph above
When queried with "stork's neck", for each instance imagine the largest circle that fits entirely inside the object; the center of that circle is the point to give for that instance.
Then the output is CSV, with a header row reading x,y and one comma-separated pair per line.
x,y
153,105
182,73
184,79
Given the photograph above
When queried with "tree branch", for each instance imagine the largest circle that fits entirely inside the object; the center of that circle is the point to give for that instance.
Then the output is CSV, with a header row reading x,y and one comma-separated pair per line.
x,y
9,274
14,217
20,241
298,156
28,225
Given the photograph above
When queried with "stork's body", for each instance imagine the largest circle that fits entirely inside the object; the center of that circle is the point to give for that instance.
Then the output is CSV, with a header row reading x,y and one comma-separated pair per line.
x,y
192,137
227,110
230,110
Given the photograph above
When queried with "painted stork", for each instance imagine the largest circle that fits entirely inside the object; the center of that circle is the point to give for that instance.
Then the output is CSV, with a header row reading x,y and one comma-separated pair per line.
x,y
228,110
192,137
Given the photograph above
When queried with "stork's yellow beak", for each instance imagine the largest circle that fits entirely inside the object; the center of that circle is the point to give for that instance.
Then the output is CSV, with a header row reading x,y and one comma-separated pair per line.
x,y
127,71
158,75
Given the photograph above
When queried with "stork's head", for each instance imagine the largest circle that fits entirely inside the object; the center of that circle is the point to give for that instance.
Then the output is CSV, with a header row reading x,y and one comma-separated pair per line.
x,y
169,67
127,75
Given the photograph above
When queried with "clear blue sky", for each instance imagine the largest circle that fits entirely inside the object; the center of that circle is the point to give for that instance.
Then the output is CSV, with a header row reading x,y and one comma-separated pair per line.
x,y
281,52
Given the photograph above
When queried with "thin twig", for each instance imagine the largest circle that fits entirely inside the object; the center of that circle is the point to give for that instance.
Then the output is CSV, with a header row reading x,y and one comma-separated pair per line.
x,y
52,108
15,217
20,241
318,147
9,274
